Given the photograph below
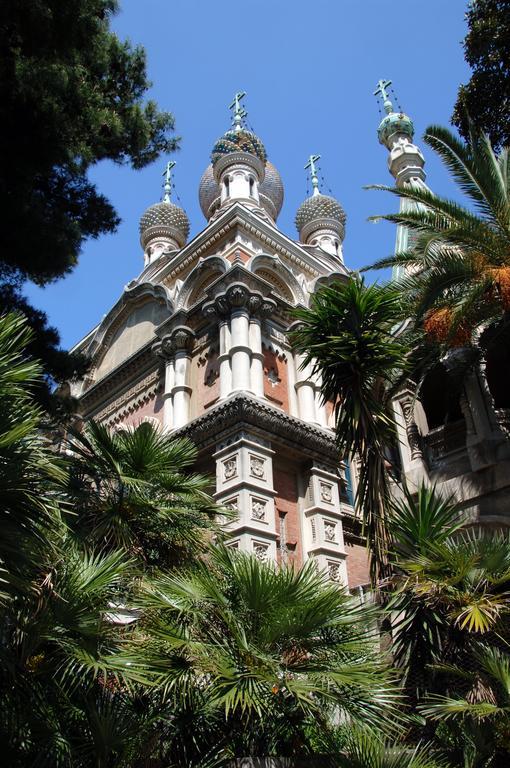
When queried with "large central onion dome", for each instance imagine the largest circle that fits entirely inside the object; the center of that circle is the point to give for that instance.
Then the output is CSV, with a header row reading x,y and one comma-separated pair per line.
x,y
164,220
270,192
320,212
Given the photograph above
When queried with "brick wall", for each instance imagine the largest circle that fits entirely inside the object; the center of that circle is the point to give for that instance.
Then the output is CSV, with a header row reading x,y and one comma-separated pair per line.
x,y
276,384
286,506
357,564
205,381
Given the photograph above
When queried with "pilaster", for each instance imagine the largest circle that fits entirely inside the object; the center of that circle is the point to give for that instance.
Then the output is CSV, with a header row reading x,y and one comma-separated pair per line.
x,y
244,482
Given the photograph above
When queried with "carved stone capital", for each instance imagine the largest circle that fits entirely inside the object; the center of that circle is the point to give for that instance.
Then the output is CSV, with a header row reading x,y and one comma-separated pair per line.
x,y
239,296
179,339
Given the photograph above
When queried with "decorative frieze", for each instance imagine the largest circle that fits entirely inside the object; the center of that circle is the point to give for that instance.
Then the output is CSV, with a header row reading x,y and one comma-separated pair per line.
x,y
131,400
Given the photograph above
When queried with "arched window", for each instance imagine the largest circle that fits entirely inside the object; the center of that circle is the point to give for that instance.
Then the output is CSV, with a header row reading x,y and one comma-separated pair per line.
x,y
227,186
252,186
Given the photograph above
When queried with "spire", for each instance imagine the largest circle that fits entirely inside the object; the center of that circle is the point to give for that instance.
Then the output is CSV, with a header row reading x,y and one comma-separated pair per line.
x,y
311,164
239,113
167,186
396,132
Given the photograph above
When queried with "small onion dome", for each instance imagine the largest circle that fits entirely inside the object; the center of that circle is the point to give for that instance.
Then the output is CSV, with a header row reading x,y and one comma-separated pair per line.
x,y
395,122
238,142
271,191
164,219
320,212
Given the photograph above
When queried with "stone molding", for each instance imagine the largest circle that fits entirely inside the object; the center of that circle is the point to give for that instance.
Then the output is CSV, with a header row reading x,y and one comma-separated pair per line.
x,y
139,394
243,411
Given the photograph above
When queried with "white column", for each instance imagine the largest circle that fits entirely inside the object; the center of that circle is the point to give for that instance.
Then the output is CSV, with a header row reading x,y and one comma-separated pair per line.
x,y
240,350
224,359
257,357
181,390
181,340
168,406
305,389
320,407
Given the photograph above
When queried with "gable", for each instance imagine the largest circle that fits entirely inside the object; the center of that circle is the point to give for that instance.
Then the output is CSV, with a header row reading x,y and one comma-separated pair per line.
x,y
134,330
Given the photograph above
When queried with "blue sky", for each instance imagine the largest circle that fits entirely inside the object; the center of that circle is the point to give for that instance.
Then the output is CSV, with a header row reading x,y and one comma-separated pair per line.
x,y
309,68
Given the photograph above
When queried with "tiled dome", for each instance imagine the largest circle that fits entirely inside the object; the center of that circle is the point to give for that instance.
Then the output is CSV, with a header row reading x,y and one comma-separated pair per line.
x,y
270,191
395,122
234,141
164,219
320,211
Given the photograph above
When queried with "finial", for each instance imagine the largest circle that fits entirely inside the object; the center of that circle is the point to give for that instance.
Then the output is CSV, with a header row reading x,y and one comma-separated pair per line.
x,y
382,91
167,186
239,113
313,173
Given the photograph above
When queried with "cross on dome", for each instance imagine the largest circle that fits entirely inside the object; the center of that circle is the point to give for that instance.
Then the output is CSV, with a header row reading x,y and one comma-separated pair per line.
x,y
167,186
382,91
311,165
239,113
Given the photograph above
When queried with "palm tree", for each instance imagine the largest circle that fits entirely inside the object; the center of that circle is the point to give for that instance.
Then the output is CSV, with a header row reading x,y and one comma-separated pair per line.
x,y
457,273
61,705
273,652
348,336
478,707
366,749
29,472
134,489
451,630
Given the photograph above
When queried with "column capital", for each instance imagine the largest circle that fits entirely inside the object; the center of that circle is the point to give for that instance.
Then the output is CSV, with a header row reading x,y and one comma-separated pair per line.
x,y
179,339
237,297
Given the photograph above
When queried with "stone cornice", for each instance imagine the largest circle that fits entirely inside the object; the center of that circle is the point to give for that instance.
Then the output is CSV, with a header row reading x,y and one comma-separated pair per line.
x,y
243,411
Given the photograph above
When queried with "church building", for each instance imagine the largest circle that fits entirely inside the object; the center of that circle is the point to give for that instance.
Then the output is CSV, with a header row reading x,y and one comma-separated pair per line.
x,y
199,344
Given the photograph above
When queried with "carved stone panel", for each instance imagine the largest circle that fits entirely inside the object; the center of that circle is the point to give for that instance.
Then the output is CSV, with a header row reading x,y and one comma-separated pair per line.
x,y
230,468
257,467
326,492
258,509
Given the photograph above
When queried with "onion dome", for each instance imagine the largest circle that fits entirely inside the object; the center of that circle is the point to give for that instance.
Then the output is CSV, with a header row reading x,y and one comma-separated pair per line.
x,y
395,122
164,220
320,212
271,191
